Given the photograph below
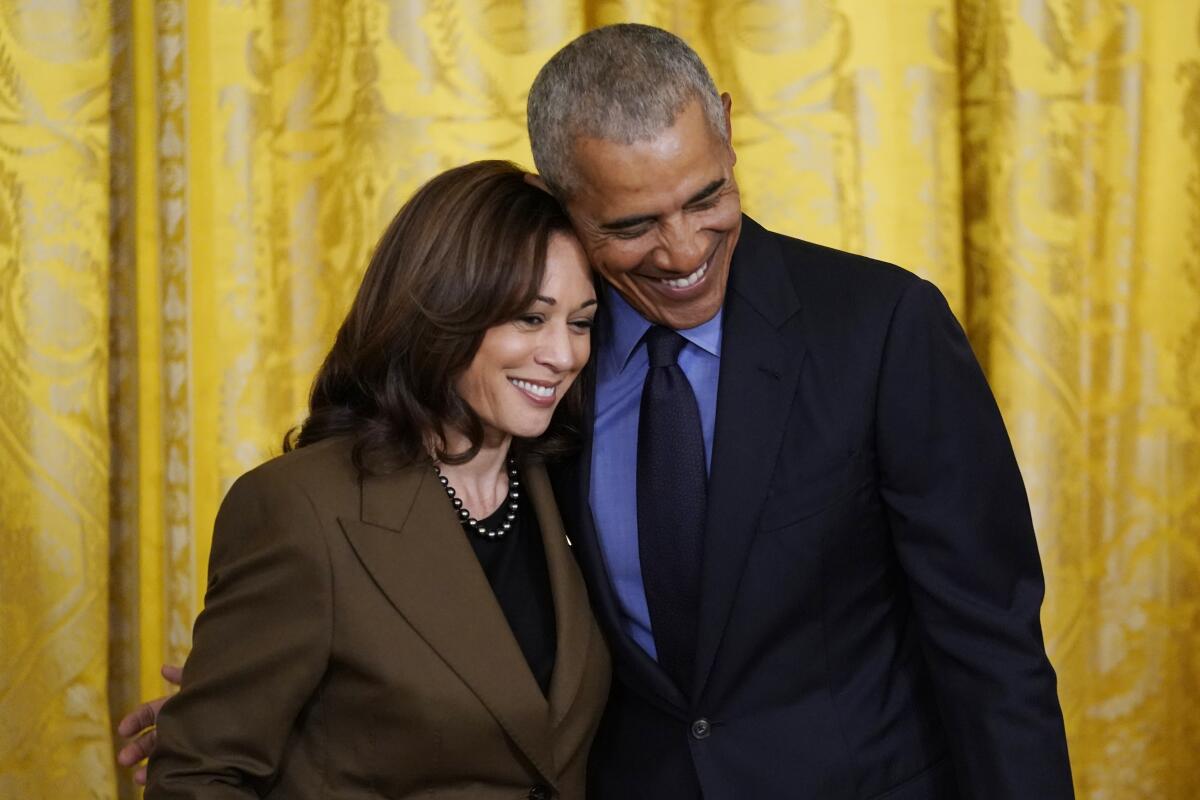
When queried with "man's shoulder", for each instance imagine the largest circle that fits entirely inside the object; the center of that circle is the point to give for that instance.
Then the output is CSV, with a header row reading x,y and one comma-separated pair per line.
x,y
835,283
818,266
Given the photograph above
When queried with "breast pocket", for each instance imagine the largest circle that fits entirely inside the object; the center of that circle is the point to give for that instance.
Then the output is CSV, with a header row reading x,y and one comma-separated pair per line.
x,y
804,490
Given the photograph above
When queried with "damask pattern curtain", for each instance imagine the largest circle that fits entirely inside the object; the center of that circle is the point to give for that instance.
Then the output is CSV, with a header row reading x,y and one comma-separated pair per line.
x,y
190,191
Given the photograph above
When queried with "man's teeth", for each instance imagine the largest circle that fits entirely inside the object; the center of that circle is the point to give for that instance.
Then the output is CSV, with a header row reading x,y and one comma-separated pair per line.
x,y
690,280
533,388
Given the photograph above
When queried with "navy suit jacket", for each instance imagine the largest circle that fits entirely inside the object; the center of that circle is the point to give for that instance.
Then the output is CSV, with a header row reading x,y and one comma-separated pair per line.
x,y
869,614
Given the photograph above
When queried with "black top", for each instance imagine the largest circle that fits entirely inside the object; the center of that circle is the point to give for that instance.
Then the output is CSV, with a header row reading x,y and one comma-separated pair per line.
x,y
515,565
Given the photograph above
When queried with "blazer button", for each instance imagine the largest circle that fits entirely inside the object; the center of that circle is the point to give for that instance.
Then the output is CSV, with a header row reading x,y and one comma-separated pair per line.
x,y
701,729
539,792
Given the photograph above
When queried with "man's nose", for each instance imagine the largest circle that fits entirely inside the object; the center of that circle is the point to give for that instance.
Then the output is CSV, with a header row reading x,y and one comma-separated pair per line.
x,y
681,247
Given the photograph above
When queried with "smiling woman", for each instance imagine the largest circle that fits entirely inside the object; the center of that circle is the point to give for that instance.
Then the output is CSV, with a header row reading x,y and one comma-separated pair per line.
x,y
539,353
463,261
392,603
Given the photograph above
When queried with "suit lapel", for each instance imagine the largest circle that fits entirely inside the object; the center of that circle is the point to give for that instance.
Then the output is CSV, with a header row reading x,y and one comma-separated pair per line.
x,y
573,489
410,542
760,364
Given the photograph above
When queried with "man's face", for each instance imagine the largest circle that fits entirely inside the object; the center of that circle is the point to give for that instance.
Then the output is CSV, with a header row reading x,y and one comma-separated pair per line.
x,y
659,218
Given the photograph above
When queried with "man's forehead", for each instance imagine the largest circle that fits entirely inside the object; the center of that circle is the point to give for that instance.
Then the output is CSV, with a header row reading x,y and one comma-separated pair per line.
x,y
615,175
687,150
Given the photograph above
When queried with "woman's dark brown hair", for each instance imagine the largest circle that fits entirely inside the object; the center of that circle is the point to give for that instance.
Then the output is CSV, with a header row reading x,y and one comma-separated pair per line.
x,y
465,253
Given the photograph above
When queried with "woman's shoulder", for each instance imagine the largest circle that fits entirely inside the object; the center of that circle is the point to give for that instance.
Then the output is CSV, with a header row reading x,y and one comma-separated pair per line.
x,y
324,472
321,474
328,461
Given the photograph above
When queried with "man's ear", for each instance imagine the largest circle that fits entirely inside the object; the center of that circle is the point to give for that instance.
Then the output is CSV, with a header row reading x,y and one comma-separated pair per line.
x,y
533,179
727,106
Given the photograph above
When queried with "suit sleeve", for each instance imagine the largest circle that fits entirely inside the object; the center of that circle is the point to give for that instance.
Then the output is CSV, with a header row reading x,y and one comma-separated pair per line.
x,y
259,648
963,533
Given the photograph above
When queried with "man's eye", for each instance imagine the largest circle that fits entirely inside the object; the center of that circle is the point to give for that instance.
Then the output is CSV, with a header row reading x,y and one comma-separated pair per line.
x,y
631,233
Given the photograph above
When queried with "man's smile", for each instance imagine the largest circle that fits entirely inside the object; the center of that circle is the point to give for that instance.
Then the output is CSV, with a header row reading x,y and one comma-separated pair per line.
x,y
687,281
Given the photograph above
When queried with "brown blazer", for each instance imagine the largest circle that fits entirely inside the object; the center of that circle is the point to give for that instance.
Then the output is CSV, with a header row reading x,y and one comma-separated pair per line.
x,y
351,647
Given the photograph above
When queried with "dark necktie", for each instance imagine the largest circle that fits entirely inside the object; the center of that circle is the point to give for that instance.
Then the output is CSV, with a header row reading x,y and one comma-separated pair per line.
x,y
671,502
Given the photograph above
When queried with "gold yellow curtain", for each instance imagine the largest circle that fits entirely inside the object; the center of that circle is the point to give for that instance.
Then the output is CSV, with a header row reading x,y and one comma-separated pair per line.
x,y
189,191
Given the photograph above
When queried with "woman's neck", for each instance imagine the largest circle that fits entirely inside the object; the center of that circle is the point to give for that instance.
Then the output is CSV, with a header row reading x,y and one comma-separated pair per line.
x,y
482,482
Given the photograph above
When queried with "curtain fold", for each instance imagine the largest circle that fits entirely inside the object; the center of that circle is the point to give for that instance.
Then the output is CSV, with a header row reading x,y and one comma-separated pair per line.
x,y
1080,206
189,192
54,432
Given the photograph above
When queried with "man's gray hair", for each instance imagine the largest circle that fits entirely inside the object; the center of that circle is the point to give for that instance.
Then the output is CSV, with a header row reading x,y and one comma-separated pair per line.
x,y
624,83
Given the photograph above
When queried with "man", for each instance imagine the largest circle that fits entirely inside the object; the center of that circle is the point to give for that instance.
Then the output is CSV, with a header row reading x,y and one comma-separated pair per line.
x,y
799,515
861,593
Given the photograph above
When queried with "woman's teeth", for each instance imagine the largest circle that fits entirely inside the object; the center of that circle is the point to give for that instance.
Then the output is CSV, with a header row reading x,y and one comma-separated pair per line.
x,y
533,388
690,280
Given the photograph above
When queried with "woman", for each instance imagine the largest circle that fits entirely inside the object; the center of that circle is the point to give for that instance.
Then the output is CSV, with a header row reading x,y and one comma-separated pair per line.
x,y
392,608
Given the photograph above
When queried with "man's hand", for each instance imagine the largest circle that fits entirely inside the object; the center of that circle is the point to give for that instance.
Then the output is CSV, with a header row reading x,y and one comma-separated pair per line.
x,y
138,726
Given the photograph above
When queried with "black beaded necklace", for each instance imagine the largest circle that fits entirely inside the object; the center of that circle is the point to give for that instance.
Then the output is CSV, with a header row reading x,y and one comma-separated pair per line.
x,y
472,524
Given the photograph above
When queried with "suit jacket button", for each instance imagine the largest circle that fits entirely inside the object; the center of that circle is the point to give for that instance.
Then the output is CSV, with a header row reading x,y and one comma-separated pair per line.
x,y
539,792
701,729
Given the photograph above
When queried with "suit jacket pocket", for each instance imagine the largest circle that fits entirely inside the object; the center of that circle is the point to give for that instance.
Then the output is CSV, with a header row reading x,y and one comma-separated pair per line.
x,y
797,494
935,782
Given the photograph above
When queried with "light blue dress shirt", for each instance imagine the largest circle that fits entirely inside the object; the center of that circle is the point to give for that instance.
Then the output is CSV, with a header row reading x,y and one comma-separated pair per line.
x,y
620,372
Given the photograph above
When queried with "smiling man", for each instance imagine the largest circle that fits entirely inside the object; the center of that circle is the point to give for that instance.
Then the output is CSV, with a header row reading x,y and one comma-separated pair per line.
x,y
661,216
799,513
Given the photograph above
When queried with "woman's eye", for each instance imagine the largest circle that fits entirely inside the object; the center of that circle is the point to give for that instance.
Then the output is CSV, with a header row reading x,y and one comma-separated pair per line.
x,y
531,319
583,324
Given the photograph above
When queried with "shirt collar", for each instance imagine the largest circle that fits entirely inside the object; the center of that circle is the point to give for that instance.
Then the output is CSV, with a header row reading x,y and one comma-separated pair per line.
x,y
628,328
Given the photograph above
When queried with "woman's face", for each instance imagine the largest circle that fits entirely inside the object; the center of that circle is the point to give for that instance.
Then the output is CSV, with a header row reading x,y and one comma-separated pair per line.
x,y
524,367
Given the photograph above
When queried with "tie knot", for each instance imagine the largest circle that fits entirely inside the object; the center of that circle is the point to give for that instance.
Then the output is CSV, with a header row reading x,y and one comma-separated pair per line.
x,y
663,346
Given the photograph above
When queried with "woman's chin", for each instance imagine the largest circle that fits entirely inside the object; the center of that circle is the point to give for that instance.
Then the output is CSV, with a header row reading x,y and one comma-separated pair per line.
x,y
528,431
527,426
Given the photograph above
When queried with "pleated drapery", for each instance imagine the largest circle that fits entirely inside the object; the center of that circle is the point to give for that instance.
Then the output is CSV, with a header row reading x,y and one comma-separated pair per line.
x,y
189,193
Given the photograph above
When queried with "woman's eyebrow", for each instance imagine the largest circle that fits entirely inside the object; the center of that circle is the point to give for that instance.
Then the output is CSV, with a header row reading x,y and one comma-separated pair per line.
x,y
550,301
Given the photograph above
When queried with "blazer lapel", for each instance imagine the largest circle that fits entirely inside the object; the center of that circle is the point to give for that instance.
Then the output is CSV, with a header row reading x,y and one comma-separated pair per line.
x,y
410,542
572,617
760,364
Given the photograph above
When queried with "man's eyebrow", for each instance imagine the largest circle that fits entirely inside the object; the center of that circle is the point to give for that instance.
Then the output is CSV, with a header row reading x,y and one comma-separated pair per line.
x,y
706,192
626,222
634,221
